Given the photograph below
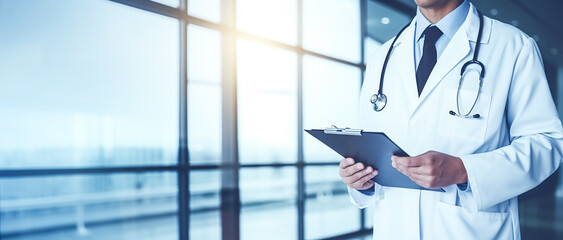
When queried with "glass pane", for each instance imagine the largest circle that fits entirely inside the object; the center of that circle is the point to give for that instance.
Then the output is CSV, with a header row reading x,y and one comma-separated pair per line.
x,y
273,19
205,217
171,3
328,211
204,95
267,99
330,97
100,206
332,27
384,22
94,84
268,200
209,10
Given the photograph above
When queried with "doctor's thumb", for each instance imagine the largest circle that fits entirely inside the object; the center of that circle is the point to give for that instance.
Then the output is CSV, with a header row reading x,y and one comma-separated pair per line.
x,y
396,158
399,160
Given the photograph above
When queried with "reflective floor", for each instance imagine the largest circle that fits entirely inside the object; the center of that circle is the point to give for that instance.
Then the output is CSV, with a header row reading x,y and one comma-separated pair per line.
x,y
265,221
166,229
540,218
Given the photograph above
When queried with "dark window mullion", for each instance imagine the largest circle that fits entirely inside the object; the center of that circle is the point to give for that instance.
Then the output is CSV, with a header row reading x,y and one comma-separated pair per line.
x,y
183,156
230,195
363,32
301,196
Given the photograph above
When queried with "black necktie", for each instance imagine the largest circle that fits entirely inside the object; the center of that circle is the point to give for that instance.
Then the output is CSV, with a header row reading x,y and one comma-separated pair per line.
x,y
429,56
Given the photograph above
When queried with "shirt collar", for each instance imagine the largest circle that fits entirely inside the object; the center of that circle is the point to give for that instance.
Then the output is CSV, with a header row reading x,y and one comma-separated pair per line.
x,y
448,24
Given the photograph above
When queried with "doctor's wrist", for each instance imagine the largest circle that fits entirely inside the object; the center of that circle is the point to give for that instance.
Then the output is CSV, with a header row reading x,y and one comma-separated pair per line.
x,y
462,175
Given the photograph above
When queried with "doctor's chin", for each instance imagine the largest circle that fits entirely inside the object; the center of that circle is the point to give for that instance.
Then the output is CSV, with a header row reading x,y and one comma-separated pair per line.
x,y
281,120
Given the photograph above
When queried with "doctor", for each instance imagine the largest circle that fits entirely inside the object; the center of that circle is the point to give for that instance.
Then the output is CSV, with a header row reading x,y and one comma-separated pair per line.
x,y
484,142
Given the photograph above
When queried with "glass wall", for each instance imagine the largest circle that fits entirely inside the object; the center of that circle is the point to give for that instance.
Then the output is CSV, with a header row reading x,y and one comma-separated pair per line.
x,y
88,92
175,119
95,86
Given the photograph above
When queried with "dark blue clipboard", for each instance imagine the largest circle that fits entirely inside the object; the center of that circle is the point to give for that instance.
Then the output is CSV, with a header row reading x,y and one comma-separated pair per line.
x,y
371,148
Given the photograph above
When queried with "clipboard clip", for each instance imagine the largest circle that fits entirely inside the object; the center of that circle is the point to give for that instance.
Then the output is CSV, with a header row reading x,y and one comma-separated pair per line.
x,y
343,131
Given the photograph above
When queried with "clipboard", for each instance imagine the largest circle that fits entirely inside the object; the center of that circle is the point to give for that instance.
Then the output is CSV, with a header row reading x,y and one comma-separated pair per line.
x,y
371,148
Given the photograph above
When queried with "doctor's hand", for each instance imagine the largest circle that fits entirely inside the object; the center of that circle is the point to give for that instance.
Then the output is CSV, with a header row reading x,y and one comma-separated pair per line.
x,y
432,169
356,175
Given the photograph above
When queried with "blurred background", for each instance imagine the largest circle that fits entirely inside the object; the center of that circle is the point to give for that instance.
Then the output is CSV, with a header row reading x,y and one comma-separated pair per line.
x,y
183,119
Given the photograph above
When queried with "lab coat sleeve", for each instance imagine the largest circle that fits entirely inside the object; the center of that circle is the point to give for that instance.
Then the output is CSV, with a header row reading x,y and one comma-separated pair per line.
x,y
536,139
362,200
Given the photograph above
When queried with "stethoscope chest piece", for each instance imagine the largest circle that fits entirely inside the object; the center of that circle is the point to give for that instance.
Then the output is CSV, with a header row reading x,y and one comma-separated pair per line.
x,y
379,101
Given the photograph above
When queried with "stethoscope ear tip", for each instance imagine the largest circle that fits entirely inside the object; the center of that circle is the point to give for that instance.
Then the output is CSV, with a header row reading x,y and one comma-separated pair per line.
x,y
451,112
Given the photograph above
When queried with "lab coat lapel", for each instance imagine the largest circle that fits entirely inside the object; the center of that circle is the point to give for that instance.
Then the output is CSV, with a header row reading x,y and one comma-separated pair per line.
x,y
408,75
458,48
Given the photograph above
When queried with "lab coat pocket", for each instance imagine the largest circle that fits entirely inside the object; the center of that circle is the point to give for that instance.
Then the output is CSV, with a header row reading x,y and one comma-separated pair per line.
x,y
460,128
453,222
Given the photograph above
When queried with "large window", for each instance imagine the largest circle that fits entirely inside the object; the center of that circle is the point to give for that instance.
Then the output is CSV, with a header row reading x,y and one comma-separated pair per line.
x,y
88,93
87,84
175,119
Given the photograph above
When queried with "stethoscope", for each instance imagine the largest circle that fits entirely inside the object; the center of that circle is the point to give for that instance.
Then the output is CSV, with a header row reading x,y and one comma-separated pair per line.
x,y
379,100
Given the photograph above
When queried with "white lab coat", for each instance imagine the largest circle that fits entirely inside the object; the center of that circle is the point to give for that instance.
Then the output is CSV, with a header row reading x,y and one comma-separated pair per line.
x,y
514,146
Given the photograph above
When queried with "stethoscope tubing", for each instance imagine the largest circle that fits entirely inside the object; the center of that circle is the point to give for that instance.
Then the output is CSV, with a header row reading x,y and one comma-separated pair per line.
x,y
382,77
379,100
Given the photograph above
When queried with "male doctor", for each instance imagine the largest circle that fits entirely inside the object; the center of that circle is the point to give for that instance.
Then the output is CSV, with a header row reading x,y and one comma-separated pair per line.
x,y
483,163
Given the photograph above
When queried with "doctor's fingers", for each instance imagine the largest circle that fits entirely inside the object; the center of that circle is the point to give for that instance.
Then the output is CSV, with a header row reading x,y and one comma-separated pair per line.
x,y
346,162
420,170
363,183
367,185
408,161
411,172
368,173
427,181
351,170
